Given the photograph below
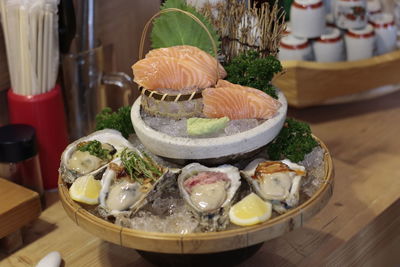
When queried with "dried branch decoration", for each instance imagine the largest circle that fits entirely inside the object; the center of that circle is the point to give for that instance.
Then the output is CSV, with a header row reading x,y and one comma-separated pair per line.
x,y
243,26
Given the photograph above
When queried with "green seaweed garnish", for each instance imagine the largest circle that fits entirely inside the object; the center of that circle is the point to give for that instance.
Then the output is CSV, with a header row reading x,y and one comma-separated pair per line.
x,y
95,148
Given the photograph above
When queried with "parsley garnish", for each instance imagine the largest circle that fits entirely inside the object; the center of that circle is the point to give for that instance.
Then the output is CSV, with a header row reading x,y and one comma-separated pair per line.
x,y
119,120
293,142
249,69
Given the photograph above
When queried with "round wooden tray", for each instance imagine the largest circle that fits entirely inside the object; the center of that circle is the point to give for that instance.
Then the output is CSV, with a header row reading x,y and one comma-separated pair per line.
x,y
200,243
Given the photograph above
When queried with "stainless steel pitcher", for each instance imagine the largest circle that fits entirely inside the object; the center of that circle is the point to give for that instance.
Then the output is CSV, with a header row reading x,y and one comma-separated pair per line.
x,y
84,89
83,68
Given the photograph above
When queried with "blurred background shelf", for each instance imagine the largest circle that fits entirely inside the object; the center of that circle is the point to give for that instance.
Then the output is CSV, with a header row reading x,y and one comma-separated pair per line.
x,y
313,83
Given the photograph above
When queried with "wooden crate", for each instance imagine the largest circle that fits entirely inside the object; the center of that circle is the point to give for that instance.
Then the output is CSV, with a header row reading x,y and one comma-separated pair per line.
x,y
18,207
312,83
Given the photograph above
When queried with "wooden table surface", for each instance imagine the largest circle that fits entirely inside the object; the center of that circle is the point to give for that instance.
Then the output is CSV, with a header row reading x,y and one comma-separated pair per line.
x,y
359,226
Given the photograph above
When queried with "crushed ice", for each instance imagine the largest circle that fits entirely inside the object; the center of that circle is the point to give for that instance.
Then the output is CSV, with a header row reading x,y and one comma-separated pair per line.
x,y
177,128
314,164
168,213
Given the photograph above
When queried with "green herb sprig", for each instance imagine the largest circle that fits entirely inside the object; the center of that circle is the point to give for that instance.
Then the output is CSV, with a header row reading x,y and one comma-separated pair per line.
x,y
95,148
294,141
119,120
140,167
248,69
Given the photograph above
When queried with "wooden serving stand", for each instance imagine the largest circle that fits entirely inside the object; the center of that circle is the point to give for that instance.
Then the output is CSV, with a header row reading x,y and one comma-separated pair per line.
x,y
307,83
201,243
18,207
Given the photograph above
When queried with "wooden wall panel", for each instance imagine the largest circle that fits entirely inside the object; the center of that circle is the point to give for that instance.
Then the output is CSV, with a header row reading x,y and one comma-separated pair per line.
x,y
120,25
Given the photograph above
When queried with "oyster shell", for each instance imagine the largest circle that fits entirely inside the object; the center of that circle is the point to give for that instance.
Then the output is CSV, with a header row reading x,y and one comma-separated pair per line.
x,y
122,195
209,192
276,181
75,163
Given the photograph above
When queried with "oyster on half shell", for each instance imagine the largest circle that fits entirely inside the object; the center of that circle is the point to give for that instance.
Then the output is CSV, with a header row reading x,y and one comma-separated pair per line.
x,y
75,162
209,192
123,195
276,181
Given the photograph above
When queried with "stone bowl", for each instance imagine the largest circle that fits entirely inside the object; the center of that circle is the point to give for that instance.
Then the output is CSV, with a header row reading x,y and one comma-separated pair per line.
x,y
217,150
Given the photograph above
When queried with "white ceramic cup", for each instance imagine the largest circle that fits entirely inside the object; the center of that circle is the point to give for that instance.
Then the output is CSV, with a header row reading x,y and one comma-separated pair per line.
x,y
307,18
396,13
398,40
329,47
373,7
288,29
330,20
328,6
360,43
295,48
385,31
350,14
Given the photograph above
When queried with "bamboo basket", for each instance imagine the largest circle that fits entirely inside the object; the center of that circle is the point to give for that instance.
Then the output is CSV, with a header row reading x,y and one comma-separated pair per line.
x,y
313,83
201,243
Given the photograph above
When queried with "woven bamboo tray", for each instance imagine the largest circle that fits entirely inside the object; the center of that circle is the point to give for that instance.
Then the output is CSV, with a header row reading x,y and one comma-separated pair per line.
x,y
313,83
201,243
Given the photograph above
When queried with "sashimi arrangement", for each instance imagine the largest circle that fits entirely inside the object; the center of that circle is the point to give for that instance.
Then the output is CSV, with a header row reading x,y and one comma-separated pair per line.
x,y
177,68
184,69
193,110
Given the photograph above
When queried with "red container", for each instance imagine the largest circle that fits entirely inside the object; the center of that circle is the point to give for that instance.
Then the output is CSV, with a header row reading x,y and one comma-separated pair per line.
x,y
45,112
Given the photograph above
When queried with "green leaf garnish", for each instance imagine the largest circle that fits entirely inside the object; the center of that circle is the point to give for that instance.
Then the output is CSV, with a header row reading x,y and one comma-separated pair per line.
x,y
175,28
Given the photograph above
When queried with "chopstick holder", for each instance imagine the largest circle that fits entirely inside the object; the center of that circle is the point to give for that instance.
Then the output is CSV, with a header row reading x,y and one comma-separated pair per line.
x,y
45,112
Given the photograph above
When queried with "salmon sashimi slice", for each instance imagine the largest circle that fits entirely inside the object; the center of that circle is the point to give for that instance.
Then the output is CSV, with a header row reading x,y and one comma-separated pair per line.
x,y
238,102
169,72
198,57
225,83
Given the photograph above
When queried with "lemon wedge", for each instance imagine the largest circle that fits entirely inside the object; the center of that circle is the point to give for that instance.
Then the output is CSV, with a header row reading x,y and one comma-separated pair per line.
x,y
250,210
86,190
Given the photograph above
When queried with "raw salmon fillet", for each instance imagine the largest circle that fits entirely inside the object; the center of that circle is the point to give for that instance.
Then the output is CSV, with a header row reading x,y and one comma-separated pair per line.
x,y
238,102
198,57
177,68
168,72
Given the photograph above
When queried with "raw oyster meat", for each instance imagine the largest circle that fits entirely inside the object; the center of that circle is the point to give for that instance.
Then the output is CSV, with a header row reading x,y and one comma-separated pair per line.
x,y
75,162
209,192
123,194
276,181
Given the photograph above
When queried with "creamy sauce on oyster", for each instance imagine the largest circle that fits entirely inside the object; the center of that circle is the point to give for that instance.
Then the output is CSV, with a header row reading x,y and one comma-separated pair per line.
x,y
84,162
209,196
123,195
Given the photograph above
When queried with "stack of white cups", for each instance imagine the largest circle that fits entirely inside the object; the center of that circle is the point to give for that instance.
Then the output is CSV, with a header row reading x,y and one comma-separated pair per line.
x,y
317,28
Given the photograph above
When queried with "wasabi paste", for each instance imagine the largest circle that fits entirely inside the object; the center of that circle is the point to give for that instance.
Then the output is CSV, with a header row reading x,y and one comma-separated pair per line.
x,y
201,126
